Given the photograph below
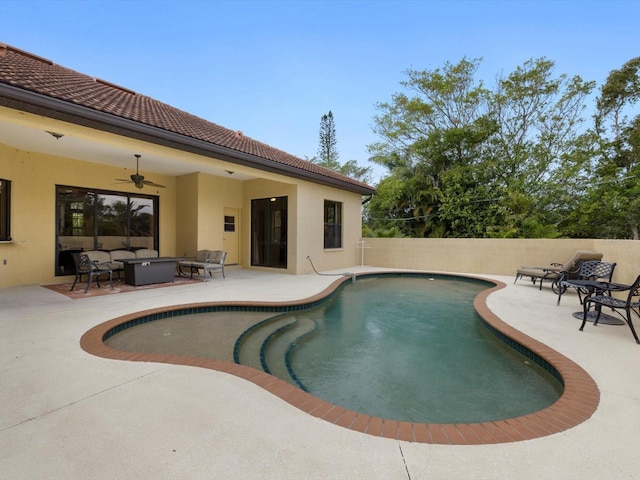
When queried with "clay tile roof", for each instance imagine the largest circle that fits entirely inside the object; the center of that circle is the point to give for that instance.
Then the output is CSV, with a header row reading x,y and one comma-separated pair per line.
x,y
29,72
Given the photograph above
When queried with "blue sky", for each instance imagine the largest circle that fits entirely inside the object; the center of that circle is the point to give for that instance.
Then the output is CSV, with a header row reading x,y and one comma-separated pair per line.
x,y
273,68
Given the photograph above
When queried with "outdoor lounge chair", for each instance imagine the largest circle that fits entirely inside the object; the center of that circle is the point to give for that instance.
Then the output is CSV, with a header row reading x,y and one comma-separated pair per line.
x,y
554,271
84,266
630,304
590,270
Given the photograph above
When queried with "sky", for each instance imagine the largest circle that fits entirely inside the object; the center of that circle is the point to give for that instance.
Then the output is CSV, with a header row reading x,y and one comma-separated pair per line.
x,y
273,68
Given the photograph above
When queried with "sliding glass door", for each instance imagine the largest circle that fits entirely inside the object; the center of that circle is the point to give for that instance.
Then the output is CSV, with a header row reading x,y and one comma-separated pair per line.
x,y
88,219
269,232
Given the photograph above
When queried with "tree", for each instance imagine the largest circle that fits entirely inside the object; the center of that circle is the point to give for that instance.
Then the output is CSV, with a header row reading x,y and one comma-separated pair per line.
x,y
328,153
617,195
424,136
494,163
540,144
327,150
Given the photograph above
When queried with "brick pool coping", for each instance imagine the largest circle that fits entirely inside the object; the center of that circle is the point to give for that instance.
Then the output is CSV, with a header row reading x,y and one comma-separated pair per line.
x,y
577,403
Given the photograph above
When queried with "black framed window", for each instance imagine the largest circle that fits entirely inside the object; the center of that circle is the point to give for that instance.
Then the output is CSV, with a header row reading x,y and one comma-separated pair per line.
x,y
229,223
89,219
332,224
5,210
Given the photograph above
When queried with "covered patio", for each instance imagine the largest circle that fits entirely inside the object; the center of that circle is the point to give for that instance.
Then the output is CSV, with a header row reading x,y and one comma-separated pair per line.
x,y
69,414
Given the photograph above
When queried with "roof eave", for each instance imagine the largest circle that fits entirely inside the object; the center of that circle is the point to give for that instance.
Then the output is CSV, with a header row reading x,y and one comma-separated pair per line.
x,y
31,102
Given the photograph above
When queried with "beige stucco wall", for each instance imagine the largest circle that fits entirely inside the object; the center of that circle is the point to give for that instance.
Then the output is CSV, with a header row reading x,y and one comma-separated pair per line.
x,y
311,232
306,224
31,256
496,256
187,215
201,200
626,254
191,213
263,188
216,193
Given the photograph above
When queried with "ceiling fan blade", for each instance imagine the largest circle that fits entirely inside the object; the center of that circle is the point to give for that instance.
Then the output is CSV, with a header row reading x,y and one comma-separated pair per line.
x,y
152,184
137,179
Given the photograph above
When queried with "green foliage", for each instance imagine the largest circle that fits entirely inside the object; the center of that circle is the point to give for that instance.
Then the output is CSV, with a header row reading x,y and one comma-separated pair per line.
x,y
618,165
353,170
392,232
328,154
327,146
468,161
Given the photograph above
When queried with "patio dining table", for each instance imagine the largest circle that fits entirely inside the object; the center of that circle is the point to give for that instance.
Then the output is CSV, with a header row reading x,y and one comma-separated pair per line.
x,y
599,288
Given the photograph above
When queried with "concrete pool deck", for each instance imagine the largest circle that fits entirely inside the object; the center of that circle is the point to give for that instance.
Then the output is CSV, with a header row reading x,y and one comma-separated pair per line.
x,y
68,414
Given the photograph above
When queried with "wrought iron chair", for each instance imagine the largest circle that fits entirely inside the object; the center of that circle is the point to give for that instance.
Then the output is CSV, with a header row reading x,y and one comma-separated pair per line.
x,y
84,266
590,270
630,304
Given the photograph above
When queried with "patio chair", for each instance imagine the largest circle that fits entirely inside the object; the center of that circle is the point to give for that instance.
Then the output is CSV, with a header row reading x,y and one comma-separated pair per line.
x,y
84,266
215,261
629,305
590,270
553,271
192,263
205,260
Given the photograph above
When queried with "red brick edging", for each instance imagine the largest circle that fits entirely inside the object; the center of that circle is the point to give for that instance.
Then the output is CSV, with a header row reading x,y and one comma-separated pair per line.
x,y
577,403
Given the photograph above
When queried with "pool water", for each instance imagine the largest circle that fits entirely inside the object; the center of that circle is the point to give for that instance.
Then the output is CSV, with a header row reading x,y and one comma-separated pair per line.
x,y
407,347
414,349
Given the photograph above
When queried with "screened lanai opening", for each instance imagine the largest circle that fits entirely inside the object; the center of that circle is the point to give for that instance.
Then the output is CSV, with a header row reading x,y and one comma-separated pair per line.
x,y
90,219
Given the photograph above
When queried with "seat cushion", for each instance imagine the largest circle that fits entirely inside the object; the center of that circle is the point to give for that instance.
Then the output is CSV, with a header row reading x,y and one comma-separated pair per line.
x,y
580,256
117,255
98,256
146,253
216,256
202,255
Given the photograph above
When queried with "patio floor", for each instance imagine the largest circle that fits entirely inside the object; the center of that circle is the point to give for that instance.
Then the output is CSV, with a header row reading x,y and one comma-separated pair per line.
x,y
71,415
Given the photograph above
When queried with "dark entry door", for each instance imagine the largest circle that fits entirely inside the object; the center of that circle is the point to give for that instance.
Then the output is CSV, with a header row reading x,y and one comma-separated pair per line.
x,y
269,232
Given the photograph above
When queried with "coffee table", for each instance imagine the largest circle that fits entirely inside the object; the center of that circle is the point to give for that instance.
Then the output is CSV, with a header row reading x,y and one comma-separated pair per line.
x,y
145,271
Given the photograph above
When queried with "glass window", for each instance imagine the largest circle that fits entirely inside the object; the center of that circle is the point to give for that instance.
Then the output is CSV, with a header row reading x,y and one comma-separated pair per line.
x,y
332,224
5,210
98,220
229,223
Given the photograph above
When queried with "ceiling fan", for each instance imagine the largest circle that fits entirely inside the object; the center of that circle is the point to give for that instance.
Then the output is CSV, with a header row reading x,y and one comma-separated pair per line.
x,y
137,179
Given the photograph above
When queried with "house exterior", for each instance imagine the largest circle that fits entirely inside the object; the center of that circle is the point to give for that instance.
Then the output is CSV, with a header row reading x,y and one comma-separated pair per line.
x,y
71,147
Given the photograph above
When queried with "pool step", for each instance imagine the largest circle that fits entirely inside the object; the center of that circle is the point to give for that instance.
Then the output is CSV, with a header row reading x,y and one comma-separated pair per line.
x,y
276,346
248,348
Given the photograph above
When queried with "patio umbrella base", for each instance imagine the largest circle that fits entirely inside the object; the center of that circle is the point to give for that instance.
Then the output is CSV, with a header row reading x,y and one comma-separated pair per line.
x,y
604,318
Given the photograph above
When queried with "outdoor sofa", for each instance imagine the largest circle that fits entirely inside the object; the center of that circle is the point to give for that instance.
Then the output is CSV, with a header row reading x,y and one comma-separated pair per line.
x,y
205,260
112,259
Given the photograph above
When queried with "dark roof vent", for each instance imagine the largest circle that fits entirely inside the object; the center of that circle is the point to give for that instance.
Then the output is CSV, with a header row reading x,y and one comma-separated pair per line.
x,y
239,133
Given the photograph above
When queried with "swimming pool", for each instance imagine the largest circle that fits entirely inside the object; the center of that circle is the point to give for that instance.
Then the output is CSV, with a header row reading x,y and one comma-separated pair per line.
x,y
409,348
578,402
